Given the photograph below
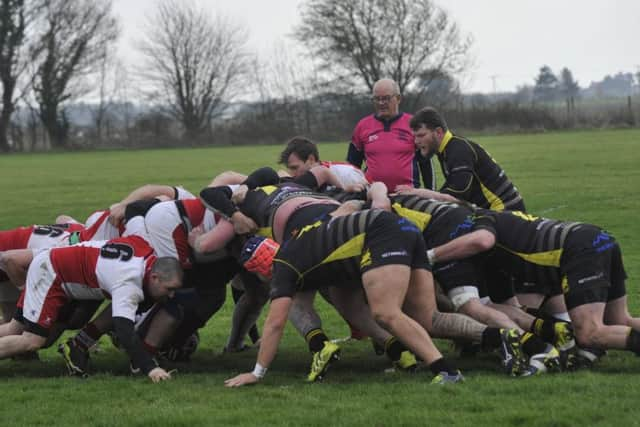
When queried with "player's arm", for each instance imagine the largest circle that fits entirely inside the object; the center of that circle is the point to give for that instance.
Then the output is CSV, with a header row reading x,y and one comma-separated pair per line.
x,y
271,336
15,263
460,161
124,303
146,192
463,247
221,200
355,153
427,194
324,176
213,240
377,194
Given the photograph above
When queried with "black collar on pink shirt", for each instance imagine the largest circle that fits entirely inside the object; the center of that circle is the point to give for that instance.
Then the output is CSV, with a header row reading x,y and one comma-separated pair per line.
x,y
387,122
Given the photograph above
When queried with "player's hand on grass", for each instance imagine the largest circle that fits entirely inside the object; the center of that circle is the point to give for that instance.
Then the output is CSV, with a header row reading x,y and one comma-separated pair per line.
x,y
159,374
242,379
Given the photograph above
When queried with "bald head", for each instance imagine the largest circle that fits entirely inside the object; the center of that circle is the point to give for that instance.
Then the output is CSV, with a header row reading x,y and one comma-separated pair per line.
x,y
386,98
387,85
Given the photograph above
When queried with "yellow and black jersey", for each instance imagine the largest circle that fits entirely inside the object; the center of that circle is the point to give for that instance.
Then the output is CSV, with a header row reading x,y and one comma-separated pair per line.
x,y
440,222
472,175
338,251
530,248
261,203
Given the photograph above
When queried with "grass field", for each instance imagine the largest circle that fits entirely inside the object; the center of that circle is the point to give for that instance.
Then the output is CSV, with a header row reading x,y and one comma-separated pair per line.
x,y
587,176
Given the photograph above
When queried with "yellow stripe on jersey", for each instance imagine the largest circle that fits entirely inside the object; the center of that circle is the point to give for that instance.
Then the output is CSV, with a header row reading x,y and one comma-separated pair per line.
x,y
420,219
307,228
495,204
445,140
545,259
349,249
268,189
265,232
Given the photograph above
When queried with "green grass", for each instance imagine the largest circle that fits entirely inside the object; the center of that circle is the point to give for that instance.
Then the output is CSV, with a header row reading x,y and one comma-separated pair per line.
x,y
588,176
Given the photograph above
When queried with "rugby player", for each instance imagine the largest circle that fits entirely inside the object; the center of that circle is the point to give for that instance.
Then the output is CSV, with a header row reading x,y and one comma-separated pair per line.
x,y
125,269
382,250
470,172
581,261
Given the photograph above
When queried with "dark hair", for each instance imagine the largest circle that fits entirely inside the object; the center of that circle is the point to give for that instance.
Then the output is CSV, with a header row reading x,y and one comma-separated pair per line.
x,y
302,147
167,268
429,117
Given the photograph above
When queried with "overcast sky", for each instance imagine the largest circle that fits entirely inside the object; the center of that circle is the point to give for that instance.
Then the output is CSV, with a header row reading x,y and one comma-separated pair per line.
x,y
512,38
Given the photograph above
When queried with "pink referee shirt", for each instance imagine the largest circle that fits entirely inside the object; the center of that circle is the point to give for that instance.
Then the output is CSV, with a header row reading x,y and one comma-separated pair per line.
x,y
388,150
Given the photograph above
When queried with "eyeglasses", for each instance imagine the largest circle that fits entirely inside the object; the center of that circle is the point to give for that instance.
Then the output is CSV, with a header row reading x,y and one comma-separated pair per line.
x,y
382,99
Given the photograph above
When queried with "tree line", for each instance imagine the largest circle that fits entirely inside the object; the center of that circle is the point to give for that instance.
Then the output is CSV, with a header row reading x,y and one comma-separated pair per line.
x,y
192,66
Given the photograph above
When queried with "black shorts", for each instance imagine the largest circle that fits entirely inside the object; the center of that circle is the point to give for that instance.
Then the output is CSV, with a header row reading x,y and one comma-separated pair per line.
x,y
391,239
454,273
592,268
342,249
307,215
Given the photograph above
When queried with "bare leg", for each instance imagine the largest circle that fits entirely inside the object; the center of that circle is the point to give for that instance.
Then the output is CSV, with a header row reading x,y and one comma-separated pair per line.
x,y
12,345
590,330
303,315
616,312
351,305
386,288
13,327
488,315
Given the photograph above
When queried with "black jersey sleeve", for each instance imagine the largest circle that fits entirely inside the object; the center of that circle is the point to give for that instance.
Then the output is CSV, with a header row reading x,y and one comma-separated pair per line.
x,y
484,220
261,177
128,338
285,280
219,199
354,156
139,207
459,159
308,179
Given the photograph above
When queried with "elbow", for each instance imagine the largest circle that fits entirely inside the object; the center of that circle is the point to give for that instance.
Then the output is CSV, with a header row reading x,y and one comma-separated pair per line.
x,y
484,240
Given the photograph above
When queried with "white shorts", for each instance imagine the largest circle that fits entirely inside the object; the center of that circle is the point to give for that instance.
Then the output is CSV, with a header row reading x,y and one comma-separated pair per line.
x,y
43,296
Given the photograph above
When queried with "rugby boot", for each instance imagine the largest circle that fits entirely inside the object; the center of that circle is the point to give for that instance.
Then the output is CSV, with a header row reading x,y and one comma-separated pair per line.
x,y
548,361
510,350
322,359
407,362
446,378
75,358
564,340
585,357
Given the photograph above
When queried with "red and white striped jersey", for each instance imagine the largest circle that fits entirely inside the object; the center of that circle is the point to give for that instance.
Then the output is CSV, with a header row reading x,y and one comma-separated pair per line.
x,y
115,268
38,236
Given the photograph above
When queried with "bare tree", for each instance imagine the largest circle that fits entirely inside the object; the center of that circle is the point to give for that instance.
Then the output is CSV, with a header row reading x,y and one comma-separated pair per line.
x,y
372,39
69,46
193,62
14,15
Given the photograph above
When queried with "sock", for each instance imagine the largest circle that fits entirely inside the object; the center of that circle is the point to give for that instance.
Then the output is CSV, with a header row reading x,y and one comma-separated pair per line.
x,y
315,339
441,365
544,328
254,334
535,312
393,349
633,342
532,344
151,349
490,338
87,337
